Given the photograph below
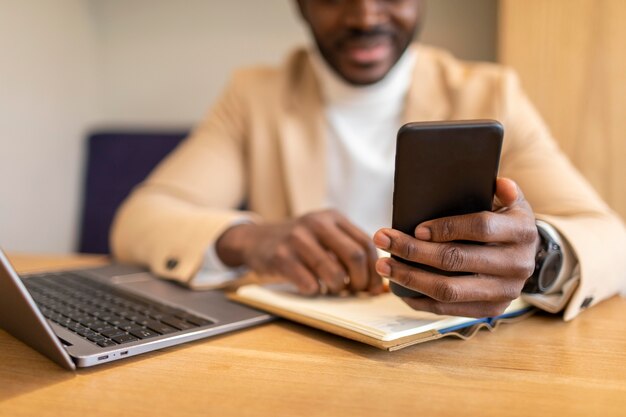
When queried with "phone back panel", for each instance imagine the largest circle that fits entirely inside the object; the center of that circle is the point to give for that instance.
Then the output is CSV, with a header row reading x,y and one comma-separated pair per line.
x,y
444,169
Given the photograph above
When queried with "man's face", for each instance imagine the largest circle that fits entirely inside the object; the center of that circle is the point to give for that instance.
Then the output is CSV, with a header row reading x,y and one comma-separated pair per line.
x,y
362,39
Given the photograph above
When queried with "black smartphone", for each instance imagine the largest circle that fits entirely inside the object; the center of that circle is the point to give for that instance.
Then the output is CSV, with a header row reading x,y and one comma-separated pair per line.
x,y
443,169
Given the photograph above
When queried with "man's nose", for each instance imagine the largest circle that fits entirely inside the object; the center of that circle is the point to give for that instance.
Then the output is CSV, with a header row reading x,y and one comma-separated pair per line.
x,y
364,14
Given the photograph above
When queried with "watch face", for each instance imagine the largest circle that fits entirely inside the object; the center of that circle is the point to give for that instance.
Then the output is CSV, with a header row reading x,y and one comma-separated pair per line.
x,y
550,270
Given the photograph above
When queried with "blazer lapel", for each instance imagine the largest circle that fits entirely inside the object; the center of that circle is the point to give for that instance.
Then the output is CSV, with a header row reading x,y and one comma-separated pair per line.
x,y
302,138
427,98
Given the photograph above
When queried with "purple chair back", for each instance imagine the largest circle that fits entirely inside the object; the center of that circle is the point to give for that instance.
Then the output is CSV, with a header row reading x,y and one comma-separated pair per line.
x,y
116,162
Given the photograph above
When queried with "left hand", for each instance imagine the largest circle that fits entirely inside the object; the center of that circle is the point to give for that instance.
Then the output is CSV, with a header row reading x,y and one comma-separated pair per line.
x,y
496,270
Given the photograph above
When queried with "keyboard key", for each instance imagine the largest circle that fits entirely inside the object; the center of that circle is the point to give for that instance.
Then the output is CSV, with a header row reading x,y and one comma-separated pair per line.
x,y
160,327
64,309
90,333
74,325
99,326
96,338
106,343
177,323
113,333
82,330
106,329
63,321
124,324
74,315
143,333
142,319
106,316
121,311
85,319
155,314
124,338
198,321
114,319
55,317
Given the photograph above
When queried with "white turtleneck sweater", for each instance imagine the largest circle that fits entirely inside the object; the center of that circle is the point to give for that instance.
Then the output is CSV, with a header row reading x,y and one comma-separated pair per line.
x,y
361,127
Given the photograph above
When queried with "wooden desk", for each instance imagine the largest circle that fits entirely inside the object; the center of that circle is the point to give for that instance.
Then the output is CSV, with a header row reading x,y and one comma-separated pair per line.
x,y
539,367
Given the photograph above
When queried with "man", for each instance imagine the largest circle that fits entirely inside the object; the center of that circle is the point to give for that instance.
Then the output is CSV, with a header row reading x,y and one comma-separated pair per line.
x,y
309,147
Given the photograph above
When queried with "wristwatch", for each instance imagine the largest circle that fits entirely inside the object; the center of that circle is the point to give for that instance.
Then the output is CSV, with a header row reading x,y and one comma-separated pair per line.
x,y
552,263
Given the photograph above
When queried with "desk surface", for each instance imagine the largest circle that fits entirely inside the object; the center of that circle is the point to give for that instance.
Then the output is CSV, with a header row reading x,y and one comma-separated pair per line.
x,y
541,366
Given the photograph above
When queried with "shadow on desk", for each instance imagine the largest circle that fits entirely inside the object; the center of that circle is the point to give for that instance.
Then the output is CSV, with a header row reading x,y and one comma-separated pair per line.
x,y
408,354
30,371
17,363
447,357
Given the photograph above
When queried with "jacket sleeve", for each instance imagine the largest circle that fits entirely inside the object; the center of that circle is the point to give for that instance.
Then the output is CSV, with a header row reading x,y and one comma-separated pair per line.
x,y
560,196
169,221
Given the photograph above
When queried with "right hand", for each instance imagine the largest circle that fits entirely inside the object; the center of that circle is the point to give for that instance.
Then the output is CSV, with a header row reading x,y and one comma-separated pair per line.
x,y
320,252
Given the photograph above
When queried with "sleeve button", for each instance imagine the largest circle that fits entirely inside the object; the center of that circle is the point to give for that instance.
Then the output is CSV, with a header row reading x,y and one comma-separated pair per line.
x,y
171,263
586,302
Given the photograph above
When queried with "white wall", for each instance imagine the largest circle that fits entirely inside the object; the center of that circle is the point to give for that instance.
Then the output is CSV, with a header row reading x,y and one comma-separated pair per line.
x,y
47,102
67,66
165,61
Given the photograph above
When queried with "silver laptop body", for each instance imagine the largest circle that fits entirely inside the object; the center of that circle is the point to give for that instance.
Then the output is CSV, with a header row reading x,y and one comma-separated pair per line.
x,y
21,316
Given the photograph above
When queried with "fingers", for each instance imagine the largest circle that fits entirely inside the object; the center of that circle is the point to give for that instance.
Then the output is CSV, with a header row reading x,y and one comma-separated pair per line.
x,y
353,256
457,289
507,192
457,257
375,281
513,222
331,250
486,227
468,296
328,270
286,264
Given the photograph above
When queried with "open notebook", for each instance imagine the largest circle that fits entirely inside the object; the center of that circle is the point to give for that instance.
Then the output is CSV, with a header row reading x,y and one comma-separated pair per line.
x,y
383,321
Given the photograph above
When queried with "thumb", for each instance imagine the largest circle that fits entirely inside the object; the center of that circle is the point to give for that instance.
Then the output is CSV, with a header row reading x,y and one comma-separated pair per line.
x,y
507,193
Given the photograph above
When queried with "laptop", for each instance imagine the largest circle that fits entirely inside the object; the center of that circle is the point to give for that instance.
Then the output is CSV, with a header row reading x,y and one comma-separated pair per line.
x,y
86,317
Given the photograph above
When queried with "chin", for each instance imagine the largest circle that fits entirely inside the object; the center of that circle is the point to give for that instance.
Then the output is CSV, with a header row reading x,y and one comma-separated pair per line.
x,y
365,76
364,79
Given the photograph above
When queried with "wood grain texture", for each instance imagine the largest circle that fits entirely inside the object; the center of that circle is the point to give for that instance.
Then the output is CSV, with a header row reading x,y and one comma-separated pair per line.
x,y
571,57
539,367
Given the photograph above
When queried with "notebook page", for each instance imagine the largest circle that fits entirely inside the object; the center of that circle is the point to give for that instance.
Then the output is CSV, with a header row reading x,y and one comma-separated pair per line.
x,y
384,317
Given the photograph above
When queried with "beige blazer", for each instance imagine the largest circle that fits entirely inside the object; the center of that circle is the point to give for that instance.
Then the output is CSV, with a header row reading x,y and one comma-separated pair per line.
x,y
264,142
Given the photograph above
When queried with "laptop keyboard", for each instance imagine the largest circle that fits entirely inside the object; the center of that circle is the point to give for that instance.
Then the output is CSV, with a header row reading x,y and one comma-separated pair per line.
x,y
102,314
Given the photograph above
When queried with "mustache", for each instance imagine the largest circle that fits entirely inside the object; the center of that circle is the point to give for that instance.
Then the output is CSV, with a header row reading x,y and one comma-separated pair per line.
x,y
359,35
